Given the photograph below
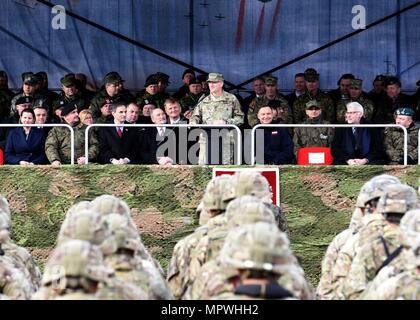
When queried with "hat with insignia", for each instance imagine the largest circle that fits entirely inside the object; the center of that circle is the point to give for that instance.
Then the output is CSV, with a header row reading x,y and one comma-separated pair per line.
x,y
312,104
24,100
404,112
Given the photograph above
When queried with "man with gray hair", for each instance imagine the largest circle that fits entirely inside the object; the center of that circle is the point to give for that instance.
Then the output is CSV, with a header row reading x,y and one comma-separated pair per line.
x,y
356,145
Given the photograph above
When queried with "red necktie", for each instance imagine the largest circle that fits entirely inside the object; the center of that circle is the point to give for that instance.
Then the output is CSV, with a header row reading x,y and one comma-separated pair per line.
x,y
119,132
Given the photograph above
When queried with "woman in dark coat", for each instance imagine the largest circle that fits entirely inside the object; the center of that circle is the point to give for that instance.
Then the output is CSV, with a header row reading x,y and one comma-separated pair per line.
x,y
26,146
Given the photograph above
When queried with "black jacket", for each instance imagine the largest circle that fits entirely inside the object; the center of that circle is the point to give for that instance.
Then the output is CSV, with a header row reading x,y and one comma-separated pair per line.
x,y
113,146
368,143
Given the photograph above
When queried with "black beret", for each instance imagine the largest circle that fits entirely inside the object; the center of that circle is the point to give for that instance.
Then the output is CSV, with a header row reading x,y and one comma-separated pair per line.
x,y
67,108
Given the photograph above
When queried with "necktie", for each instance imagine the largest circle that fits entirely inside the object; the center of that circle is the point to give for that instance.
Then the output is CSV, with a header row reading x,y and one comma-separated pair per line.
x,y
161,132
354,131
119,132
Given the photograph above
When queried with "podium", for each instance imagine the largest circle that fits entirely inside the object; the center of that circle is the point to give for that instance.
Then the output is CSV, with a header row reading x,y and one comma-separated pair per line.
x,y
314,156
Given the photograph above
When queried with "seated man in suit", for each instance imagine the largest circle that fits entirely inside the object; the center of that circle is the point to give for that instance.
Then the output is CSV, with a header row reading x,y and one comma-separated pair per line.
x,y
173,112
357,146
152,149
118,145
278,145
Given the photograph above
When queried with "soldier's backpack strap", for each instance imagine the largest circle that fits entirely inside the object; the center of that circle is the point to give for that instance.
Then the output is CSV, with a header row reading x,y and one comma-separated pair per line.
x,y
391,257
385,246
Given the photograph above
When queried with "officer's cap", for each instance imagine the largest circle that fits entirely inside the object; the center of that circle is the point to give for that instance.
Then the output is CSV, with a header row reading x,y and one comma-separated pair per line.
x,y
150,80
312,104
311,75
393,80
23,100
68,81
30,79
112,78
195,81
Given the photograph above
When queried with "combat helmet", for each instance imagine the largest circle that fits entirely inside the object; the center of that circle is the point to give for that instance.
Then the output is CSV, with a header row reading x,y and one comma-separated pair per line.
x,y
248,182
260,246
410,229
373,189
75,258
4,206
248,210
89,226
213,195
125,237
82,205
397,199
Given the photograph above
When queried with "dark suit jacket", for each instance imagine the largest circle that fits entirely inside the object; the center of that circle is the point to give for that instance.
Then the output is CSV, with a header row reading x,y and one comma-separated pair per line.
x,y
278,146
367,144
113,146
150,141
20,149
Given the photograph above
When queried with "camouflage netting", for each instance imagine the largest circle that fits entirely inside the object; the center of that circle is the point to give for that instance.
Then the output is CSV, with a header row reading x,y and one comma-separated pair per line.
x,y
317,200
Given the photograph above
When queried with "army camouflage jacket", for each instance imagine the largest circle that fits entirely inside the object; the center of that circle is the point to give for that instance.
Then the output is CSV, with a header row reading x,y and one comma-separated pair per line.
x,y
394,145
58,144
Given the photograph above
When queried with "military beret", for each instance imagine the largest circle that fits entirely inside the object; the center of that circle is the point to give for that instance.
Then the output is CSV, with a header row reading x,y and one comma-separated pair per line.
x,y
68,81
107,101
67,108
112,78
188,71
312,104
404,112
392,80
31,80
215,77
24,99
58,104
162,77
356,83
150,80
270,80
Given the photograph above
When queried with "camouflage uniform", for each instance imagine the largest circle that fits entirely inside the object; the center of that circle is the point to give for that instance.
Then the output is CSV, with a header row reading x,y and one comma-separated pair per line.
x,y
313,137
130,267
78,99
13,283
258,103
189,101
98,101
259,247
367,105
254,184
241,211
178,271
71,266
210,109
18,256
397,199
158,99
324,101
37,100
58,144
107,204
394,145
401,262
